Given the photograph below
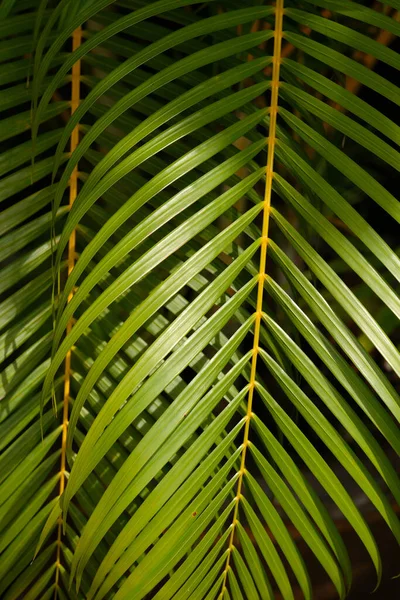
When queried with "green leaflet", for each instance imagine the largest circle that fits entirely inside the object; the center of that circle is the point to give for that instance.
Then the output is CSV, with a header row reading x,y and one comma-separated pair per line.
x,y
354,307
341,244
344,97
348,36
346,65
362,13
340,207
332,439
187,64
279,531
343,372
325,475
296,512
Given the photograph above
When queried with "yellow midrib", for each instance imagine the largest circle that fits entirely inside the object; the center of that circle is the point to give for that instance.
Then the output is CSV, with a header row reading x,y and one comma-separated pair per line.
x,y
263,256
73,191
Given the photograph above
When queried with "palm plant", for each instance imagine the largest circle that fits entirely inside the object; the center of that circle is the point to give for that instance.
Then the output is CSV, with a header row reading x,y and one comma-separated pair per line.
x,y
198,294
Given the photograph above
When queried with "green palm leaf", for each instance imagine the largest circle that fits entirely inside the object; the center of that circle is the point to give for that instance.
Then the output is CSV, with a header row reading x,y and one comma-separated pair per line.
x,y
199,296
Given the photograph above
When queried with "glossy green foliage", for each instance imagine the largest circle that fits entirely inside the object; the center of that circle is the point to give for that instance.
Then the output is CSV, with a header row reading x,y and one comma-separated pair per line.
x,y
189,464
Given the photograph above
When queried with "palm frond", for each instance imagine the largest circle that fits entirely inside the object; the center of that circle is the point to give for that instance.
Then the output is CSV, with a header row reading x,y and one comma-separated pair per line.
x,y
196,275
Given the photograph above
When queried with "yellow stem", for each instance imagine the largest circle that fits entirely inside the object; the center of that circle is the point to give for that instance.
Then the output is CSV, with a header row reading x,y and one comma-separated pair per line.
x,y
262,273
73,190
